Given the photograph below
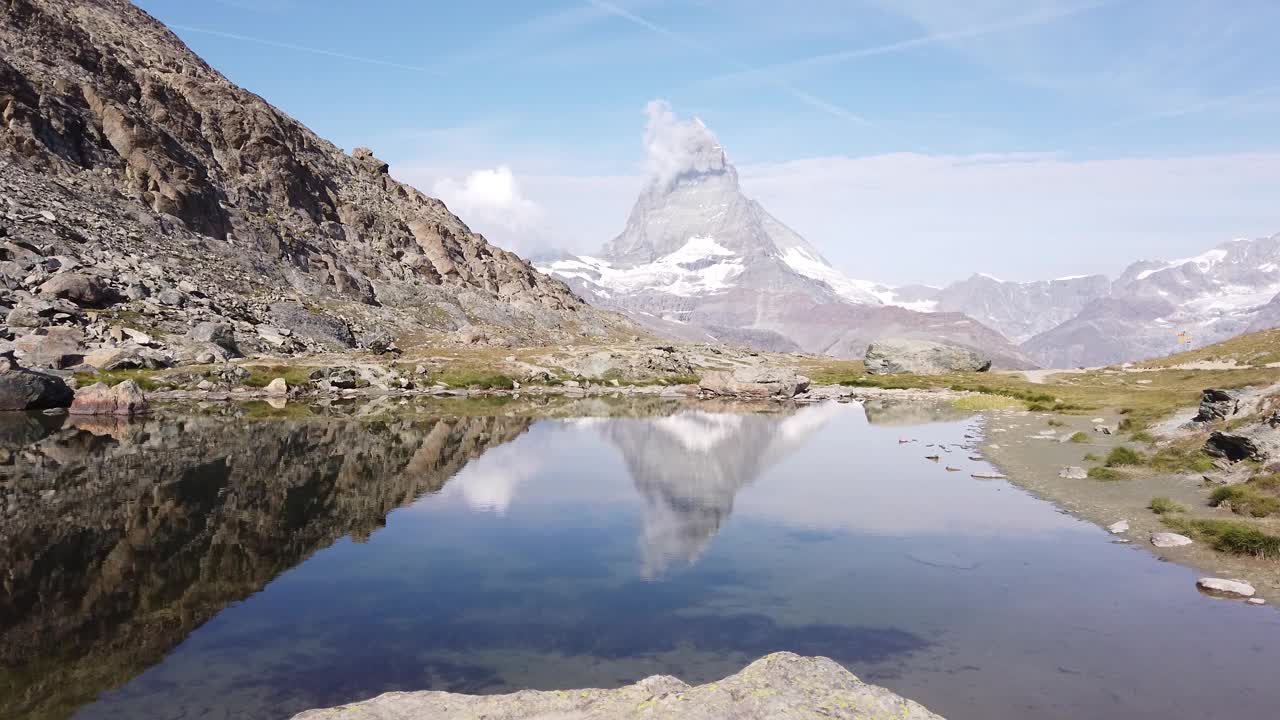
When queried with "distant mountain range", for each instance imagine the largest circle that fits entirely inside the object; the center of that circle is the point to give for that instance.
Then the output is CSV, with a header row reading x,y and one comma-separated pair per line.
x,y
699,258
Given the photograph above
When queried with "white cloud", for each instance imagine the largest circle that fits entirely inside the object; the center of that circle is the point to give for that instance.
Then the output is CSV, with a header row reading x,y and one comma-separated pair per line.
x,y
674,147
491,202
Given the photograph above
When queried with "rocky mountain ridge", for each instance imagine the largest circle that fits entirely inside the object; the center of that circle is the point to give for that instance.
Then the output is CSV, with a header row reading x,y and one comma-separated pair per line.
x,y
1152,308
141,190
698,256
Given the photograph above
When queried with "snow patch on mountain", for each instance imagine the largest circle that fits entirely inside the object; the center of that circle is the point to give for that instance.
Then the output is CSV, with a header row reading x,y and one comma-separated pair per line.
x,y
1204,262
699,267
856,291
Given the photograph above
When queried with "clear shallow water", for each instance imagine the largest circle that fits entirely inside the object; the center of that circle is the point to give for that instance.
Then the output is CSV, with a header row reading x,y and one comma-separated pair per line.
x,y
217,571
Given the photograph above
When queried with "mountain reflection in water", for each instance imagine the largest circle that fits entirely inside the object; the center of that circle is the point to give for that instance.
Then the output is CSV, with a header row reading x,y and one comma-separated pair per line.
x,y
226,567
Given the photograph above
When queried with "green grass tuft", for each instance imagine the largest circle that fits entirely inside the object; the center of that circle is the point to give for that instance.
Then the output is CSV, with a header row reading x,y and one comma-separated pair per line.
x,y
1143,436
1091,457
1104,473
144,378
1079,437
1122,456
987,402
1229,536
1162,505
1245,500
479,380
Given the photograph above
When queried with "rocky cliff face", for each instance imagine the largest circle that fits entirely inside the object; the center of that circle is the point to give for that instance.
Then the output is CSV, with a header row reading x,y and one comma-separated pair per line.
x,y
103,570
698,253
184,198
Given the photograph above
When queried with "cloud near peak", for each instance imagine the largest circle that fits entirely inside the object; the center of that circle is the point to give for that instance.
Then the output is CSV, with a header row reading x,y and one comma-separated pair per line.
x,y
676,147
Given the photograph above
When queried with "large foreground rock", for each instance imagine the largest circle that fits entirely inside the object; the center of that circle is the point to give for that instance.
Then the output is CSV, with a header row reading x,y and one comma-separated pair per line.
x,y
923,357
124,400
22,389
754,382
781,685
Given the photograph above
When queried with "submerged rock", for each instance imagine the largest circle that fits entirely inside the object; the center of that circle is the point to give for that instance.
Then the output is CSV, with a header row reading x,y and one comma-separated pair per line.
x,y
923,357
781,685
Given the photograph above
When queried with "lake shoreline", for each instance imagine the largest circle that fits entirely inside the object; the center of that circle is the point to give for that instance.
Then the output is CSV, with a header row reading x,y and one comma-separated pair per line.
x,y
1012,442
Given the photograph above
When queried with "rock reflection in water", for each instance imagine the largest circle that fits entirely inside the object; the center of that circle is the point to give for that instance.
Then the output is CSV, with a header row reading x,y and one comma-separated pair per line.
x,y
118,540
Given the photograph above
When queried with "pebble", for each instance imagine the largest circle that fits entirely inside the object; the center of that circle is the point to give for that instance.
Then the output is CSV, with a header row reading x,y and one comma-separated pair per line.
x,y
1256,601
1118,528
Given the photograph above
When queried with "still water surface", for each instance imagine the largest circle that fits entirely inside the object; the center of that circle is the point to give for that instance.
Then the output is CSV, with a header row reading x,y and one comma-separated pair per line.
x,y
203,568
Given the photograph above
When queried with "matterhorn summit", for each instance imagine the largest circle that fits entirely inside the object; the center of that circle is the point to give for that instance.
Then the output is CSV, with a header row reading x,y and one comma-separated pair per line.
x,y
701,259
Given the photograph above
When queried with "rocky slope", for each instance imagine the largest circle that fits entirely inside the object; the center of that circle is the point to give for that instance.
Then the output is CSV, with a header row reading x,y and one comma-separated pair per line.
x,y
697,253
141,189
781,685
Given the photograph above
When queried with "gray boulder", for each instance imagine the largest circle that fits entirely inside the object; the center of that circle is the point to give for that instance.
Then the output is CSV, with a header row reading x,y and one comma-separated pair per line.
x,y
1217,405
922,357
754,382
81,289
55,347
327,332
22,389
781,685
215,333
1259,441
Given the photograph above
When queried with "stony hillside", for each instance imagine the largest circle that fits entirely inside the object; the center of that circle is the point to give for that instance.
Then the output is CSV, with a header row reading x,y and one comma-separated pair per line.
x,y
141,189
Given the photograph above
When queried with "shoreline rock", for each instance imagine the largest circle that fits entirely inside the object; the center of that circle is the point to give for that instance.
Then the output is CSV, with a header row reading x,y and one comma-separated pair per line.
x,y
906,356
125,400
782,684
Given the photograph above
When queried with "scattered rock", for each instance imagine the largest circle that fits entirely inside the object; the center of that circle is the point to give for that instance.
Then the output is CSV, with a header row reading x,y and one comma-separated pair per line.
x,y
1217,405
215,333
1168,540
1259,442
328,332
1256,601
277,387
922,357
81,289
125,399
1073,472
1231,588
781,685
54,347
757,382
1118,528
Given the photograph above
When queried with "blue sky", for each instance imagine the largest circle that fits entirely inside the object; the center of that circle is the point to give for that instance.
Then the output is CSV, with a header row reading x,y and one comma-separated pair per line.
x,y
1099,131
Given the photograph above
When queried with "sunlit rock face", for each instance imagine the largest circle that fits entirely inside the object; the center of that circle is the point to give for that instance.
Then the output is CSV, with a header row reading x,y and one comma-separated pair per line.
x,y
108,568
